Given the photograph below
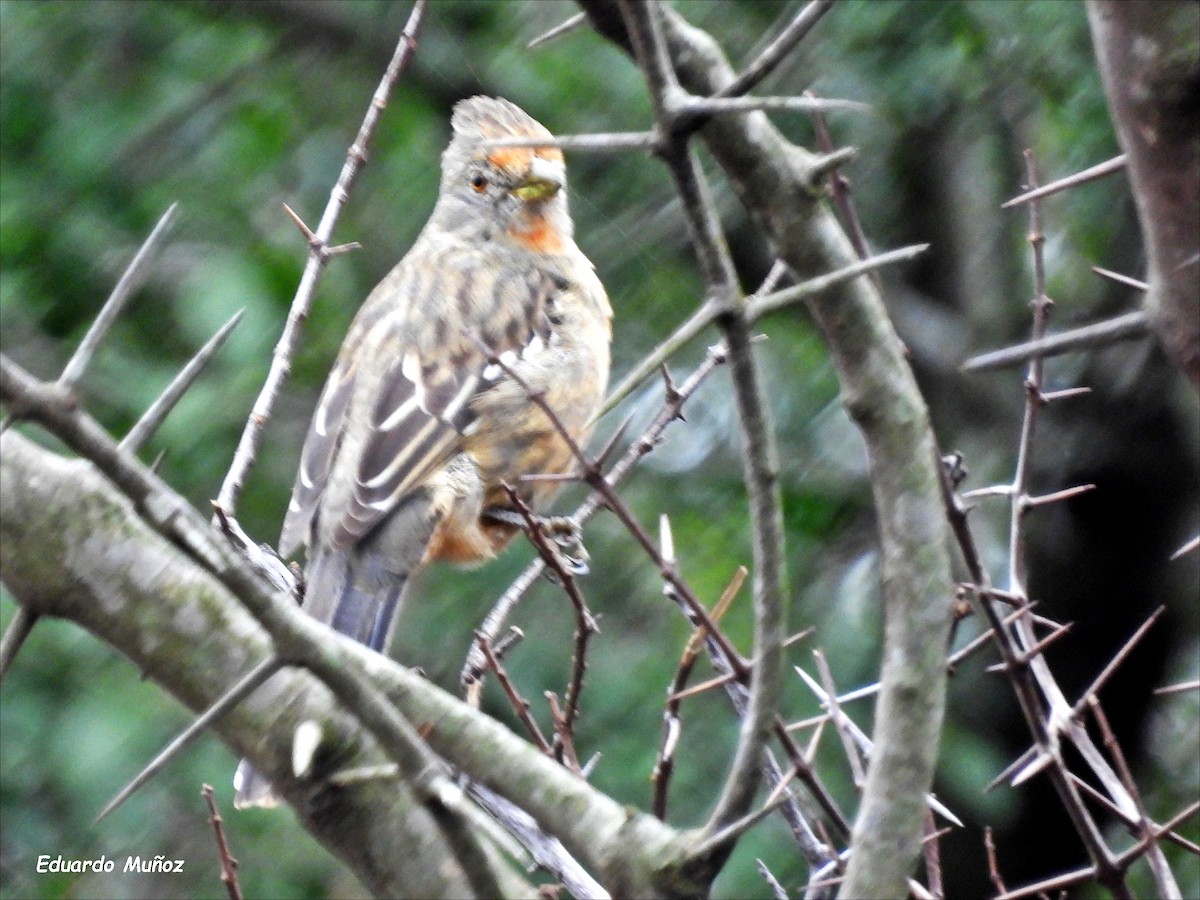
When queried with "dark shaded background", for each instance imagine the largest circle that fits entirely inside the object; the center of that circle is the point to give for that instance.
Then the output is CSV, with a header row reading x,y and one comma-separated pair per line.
x,y
111,111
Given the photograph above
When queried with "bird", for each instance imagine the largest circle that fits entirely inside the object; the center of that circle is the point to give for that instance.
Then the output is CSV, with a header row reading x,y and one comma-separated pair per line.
x,y
429,410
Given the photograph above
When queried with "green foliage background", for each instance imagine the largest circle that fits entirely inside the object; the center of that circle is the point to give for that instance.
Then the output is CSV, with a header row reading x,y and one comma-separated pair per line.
x,y
111,111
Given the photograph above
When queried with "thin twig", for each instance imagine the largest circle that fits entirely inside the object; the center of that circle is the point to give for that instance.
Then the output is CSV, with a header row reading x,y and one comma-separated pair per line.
x,y
931,848
839,718
564,735
604,487
519,704
1058,882
777,889
864,743
585,624
710,106
650,438
1161,831
759,453
1017,563
1164,881
839,191
548,851
760,306
228,863
1192,685
704,315
989,844
611,142
356,157
665,763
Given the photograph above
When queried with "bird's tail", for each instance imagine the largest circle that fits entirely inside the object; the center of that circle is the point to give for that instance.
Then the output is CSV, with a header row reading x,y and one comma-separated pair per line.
x,y
355,594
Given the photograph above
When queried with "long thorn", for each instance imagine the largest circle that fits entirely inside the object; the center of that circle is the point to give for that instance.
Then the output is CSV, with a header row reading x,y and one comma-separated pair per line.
x,y
1193,685
1186,548
558,30
1116,164
235,695
788,296
780,47
1130,325
1107,671
731,832
129,282
14,638
1121,279
154,415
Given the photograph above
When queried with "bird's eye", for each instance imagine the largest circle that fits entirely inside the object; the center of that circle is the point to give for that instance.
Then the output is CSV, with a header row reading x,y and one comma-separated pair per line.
x,y
479,182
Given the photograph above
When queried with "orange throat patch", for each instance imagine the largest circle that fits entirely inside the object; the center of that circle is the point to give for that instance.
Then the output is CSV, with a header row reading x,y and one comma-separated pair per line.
x,y
534,232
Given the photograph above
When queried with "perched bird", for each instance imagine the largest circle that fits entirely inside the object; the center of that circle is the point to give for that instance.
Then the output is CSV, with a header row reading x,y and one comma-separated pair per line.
x,y
418,427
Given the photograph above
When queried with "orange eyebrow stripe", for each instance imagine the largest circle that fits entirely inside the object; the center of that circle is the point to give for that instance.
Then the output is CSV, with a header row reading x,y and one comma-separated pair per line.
x,y
516,159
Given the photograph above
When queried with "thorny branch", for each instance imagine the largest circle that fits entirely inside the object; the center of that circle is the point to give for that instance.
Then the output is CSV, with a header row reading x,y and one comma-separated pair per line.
x,y
759,454
228,863
1026,667
318,255
671,411
676,114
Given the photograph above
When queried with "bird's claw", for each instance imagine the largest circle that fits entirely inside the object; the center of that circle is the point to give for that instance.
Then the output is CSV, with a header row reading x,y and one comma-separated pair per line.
x,y
567,536
564,532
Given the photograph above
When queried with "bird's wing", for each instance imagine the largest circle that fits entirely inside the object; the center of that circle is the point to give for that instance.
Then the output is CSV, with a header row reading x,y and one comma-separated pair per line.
x,y
324,432
439,349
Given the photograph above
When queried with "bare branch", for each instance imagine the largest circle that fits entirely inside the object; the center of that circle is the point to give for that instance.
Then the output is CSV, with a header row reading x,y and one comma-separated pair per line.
x,y
1058,882
1164,881
771,177
669,413
228,863
713,106
519,704
839,719
612,142
759,455
356,157
777,889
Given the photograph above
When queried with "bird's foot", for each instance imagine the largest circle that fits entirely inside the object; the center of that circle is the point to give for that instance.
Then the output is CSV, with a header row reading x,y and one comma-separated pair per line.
x,y
564,533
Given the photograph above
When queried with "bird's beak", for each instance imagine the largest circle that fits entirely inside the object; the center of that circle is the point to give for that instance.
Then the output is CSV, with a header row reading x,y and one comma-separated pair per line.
x,y
543,180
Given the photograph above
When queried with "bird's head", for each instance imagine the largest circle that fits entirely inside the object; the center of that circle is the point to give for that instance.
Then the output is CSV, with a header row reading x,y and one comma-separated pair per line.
x,y
503,192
